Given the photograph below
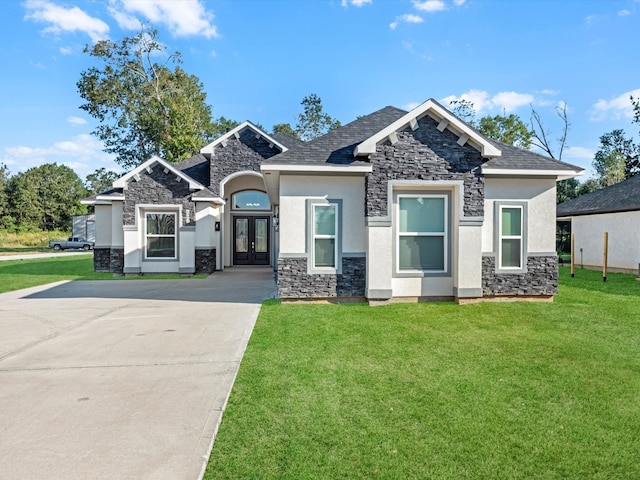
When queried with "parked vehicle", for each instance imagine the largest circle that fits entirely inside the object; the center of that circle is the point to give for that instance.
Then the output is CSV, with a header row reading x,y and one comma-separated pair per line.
x,y
71,242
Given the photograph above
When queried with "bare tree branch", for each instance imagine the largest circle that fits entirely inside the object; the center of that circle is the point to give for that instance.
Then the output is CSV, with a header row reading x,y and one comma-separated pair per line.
x,y
540,134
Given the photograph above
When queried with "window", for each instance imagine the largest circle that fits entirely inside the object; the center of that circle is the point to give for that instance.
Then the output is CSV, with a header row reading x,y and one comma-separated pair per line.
x,y
251,200
511,239
422,233
324,242
161,235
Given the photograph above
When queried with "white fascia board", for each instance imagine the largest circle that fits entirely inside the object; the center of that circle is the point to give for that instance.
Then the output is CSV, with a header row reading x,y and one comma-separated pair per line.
x,y
507,172
216,200
438,113
235,132
272,185
122,181
273,167
109,198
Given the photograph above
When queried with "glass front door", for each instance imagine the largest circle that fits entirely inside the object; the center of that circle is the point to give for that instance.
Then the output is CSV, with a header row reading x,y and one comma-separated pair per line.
x,y
251,241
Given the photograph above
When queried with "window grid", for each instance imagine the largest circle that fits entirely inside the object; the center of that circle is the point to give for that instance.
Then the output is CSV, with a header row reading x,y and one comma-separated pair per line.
x,y
507,239
157,237
324,236
437,234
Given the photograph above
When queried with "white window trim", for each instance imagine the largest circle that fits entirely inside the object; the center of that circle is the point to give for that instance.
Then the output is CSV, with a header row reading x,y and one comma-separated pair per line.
x,y
176,215
315,236
444,235
502,237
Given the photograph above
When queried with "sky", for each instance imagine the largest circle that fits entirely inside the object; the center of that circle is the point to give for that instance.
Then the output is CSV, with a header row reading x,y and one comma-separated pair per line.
x,y
258,59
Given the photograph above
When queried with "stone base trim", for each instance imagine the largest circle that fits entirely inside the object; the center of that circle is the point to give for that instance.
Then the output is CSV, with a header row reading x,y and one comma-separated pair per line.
x,y
205,260
110,260
294,282
540,279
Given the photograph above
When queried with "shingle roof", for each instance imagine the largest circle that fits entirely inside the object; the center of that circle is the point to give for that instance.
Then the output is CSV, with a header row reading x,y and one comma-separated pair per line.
x,y
196,167
336,147
287,140
621,197
514,158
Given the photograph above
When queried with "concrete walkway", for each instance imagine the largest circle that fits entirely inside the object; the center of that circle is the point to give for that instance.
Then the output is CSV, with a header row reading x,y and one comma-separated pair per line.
x,y
121,379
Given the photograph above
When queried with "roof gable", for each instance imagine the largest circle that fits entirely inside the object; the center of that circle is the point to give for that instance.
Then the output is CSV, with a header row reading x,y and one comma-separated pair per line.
x,y
445,119
134,175
235,132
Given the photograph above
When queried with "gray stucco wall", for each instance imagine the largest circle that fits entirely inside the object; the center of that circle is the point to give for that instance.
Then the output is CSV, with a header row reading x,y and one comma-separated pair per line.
x,y
157,187
295,282
425,154
541,277
238,155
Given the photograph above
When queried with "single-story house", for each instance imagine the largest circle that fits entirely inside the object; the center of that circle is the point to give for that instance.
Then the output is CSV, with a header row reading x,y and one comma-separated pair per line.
x,y
394,205
614,209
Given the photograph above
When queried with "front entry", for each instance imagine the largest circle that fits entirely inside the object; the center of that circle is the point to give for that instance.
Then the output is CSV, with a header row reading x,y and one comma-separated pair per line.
x,y
251,240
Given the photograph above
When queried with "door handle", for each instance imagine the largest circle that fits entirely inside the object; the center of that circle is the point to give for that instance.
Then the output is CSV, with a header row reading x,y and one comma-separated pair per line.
x,y
253,246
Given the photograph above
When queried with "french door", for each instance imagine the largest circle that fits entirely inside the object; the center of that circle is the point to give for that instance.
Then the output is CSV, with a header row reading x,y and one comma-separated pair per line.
x,y
251,241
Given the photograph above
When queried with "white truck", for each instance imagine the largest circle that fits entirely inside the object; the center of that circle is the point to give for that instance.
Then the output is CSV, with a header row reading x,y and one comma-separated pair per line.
x,y
71,242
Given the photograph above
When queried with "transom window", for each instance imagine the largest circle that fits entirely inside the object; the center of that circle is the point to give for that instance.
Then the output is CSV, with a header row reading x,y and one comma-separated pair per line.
x,y
250,200
325,228
422,241
161,235
510,246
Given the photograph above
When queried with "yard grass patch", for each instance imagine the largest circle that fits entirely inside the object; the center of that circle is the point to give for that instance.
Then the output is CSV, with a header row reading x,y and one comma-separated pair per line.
x,y
18,274
491,390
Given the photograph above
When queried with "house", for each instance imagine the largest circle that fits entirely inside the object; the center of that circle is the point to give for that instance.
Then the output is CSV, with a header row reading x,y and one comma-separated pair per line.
x,y
394,205
614,209
84,226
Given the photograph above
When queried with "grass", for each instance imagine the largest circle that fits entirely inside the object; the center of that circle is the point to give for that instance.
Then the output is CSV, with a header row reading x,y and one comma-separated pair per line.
x,y
18,274
14,243
442,391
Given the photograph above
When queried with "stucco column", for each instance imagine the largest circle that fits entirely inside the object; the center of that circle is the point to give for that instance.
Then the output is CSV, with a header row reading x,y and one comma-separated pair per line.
x,y
379,260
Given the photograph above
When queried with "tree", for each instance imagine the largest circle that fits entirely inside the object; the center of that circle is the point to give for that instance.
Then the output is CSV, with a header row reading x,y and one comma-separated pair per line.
x,y
313,121
100,181
4,197
465,110
566,190
507,129
46,197
616,159
540,135
145,108
285,128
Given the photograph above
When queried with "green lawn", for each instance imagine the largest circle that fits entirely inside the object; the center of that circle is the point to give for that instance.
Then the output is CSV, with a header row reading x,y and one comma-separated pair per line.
x,y
17,274
442,391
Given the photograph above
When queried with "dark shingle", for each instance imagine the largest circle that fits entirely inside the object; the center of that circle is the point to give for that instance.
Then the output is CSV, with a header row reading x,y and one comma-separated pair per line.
x,y
287,140
514,158
196,167
336,147
621,197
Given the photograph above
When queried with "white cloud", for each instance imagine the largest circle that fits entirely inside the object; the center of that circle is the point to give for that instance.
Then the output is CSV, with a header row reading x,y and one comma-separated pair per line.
x,y
510,101
616,108
76,121
459,2
406,18
624,13
61,19
184,18
66,50
430,6
579,152
501,101
83,153
356,3
410,106
214,54
589,19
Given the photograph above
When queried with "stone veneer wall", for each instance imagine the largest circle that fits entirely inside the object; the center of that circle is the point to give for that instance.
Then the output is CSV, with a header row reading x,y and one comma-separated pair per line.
x,y
108,260
205,260
425,154
295,282
158,187
238,155
541,277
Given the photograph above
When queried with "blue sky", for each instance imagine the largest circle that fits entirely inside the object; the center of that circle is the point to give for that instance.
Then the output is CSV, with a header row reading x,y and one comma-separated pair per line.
x,y
258,59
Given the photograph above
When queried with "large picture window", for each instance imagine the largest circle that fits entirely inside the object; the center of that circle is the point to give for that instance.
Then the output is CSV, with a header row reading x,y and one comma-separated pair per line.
x,y
324,242
422,233
161,235
511,237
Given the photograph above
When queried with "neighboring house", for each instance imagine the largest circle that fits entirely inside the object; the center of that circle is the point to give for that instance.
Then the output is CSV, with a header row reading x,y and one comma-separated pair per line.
x,y
394,205
84,226
614,209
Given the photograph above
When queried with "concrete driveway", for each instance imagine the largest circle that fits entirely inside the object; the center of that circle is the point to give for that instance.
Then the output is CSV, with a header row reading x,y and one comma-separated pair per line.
x,y
121,379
